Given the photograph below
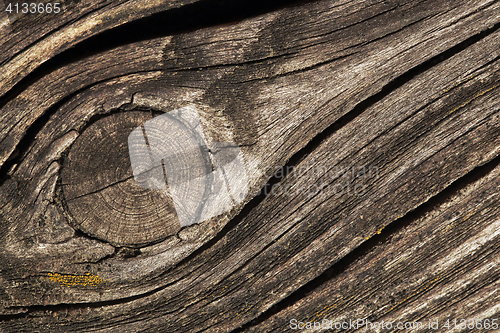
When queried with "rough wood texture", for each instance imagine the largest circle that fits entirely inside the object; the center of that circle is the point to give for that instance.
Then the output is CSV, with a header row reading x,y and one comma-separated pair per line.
x,y
370,134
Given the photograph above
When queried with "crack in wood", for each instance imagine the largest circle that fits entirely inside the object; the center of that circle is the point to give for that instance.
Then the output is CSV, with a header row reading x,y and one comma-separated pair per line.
x,y
100,189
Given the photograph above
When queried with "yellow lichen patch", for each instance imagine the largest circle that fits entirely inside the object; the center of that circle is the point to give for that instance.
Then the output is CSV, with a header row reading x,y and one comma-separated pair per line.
x,y
378,232
75,280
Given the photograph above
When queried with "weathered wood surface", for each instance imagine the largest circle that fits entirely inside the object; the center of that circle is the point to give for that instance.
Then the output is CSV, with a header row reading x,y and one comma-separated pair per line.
x,y
407,90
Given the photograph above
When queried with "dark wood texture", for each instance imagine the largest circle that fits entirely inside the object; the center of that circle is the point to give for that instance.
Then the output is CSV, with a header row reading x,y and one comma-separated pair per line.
x,y
370,132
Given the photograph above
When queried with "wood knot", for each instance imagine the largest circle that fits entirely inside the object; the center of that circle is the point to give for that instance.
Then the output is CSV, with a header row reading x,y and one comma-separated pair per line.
x,y
100,191
131,179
